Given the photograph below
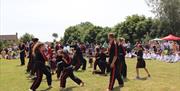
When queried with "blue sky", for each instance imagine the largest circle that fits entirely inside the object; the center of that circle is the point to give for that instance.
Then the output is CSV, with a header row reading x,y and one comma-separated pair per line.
x,y
44,17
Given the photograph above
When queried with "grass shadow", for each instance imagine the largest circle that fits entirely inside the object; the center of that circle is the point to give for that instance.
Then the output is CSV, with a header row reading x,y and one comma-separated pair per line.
x,y
126,80
142,78
80,71
47,89
19,65
117,88
70,88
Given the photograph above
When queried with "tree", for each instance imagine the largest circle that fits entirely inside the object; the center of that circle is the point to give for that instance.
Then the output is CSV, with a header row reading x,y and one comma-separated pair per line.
x,y
92,34
55,35
26,37
77,32
168,12
134,28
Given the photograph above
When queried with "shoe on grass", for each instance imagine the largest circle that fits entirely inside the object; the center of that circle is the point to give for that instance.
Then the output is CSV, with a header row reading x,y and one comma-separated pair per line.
x,y
82,84
30,90
62,89
149,77
108,90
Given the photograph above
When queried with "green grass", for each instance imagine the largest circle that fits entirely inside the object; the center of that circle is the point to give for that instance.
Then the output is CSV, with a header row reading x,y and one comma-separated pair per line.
x,y
165,77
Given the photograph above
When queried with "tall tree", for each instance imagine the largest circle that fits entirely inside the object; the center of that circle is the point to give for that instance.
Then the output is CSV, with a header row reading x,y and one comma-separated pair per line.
x,y
26,37
168,12
134,28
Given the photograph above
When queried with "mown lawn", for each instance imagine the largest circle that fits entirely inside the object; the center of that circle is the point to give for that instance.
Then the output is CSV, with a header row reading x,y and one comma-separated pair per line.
x,y
165,77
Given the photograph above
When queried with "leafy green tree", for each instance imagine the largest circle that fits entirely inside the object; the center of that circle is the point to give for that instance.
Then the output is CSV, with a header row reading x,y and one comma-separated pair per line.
x,y
77,32
168,12
92,34
134,28
26,37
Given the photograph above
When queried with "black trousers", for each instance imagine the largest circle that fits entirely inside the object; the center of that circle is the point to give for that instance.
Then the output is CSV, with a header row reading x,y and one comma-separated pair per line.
x,y
108,68
124,69
60,66
41,69
22,58
80,62
115,74
95,64
101,64
68,73
33,66
84,64
29,65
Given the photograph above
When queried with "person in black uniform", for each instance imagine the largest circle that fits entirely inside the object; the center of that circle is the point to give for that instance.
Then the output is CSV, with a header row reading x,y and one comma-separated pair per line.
x,y
78,59
100,61
90,54
68,71
30,63
140,61
40,67
22,49
114,63
59,63
121,55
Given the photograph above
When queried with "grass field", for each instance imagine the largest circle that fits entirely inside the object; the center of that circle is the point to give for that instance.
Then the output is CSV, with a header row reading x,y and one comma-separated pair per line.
x,y
165,77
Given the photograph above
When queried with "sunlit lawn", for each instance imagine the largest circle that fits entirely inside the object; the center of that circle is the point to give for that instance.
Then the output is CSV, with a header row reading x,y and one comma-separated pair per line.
x,y
165,77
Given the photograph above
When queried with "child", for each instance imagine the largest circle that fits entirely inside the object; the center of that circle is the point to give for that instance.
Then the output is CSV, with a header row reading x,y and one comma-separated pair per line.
x,y
78,59
53,63
97,58
40,67
140,61
59,63
101,62
68,71
90,58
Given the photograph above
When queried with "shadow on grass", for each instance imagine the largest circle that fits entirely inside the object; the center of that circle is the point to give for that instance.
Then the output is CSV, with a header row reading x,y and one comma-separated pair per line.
x,y
117,88
20,65
47,89
70,88
80,71
142,78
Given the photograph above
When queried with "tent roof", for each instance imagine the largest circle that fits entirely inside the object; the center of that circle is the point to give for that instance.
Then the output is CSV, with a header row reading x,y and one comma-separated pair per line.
x,y
171,37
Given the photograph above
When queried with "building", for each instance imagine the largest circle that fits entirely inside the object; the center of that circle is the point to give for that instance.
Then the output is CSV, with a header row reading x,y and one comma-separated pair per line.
x,y
10,38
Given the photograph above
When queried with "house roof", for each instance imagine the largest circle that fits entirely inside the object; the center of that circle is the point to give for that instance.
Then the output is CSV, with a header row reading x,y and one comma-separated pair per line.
x,y
8,37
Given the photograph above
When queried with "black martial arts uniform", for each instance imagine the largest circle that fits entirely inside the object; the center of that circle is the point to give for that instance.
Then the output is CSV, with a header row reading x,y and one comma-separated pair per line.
x,y
40,69
121,56
101,62
115,71
140,61
78,59
68,72
22,49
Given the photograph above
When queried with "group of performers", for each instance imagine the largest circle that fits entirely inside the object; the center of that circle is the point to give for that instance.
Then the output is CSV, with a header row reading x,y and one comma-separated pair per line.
x,y
64,62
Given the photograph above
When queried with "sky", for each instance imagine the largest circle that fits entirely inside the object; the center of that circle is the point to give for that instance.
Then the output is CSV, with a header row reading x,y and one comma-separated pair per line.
x,y
44,17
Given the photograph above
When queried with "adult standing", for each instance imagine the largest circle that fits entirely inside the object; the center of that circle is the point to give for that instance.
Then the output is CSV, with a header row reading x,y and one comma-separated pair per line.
x,y
22,53
114,63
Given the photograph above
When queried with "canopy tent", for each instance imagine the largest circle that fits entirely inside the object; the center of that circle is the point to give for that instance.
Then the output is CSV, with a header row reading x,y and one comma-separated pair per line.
x,y
171,37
